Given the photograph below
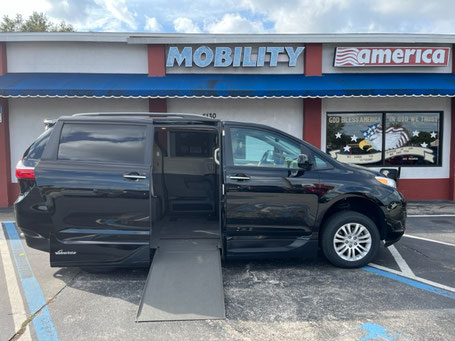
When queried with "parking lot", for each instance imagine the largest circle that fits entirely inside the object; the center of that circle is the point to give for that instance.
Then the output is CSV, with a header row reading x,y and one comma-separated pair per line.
x,y
408,293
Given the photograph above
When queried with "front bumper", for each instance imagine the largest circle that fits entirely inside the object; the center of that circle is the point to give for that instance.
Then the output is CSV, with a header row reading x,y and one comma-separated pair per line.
x,y
395,215
393,237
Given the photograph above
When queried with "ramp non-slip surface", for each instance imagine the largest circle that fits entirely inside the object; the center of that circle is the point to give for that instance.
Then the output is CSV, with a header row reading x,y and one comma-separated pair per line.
x,y
184,282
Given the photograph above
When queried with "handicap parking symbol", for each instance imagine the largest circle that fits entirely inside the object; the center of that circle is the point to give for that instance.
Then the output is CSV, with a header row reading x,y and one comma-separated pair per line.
x,y
372,331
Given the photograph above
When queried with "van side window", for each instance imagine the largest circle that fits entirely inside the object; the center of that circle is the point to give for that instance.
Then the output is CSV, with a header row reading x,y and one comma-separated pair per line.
x,y
319,163
262,148
36,149
102,142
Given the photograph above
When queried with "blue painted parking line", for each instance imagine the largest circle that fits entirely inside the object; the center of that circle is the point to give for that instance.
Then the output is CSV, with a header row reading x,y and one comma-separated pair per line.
x,y
373,331
44,327
411,282
378,332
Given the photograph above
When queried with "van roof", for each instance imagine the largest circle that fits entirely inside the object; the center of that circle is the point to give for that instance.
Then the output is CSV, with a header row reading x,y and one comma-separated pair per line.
x,y
147,115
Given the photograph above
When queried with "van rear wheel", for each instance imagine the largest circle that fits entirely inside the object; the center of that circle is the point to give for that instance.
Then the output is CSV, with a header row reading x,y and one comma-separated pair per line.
x,y
350,239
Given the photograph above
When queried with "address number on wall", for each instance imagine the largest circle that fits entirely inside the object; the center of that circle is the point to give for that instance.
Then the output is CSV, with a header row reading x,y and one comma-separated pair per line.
x,y
209,114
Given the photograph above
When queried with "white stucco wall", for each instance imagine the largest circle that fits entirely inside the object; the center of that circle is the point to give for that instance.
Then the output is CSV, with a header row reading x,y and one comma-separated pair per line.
x,y
328,54
76,57
26,117
398,104
283,114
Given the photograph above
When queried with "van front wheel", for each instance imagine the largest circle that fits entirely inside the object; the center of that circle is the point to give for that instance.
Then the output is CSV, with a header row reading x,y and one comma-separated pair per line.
x,y
350,239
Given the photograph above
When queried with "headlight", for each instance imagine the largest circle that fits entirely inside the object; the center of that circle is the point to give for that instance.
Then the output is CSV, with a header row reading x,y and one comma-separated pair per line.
x,y
386,181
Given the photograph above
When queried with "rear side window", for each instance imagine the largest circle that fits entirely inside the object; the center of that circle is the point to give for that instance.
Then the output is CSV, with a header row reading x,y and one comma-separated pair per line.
x,y
36,149
102,142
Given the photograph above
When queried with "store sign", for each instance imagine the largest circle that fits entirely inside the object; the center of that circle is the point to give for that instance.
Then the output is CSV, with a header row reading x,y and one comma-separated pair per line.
x,y
223,56
391,56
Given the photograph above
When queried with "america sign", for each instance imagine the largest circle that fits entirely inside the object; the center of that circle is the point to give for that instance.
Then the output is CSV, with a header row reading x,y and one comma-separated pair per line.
x,y
391,56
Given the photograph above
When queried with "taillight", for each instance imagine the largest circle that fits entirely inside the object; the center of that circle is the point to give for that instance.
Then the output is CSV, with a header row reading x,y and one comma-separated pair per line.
x,y
24,172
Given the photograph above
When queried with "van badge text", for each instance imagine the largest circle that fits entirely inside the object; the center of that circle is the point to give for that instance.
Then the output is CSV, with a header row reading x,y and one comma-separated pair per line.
x,y
61,252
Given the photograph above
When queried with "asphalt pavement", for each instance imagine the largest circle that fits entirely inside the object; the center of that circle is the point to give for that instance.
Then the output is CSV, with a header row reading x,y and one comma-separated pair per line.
x,y
407,293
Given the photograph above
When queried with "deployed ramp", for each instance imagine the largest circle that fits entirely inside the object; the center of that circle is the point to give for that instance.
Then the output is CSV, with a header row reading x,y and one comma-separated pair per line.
x,y
184,282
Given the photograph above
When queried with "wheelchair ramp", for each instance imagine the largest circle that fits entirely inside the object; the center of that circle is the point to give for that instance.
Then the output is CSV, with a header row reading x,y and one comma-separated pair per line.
x,y
184,282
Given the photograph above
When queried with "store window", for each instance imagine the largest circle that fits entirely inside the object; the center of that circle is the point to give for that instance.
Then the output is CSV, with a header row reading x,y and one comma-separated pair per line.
x,y
409,138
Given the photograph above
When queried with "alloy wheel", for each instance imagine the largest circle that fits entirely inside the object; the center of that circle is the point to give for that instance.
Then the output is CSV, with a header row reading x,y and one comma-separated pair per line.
x,y
352,242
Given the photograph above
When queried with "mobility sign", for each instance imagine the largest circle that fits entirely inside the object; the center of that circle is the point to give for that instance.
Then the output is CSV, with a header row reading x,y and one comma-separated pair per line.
x,y
391,56
240,56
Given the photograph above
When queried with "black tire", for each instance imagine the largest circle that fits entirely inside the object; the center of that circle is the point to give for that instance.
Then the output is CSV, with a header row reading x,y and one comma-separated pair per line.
x,y
346,218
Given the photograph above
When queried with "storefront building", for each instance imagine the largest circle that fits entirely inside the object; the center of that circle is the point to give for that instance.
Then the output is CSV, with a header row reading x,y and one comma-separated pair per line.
x,y
377,100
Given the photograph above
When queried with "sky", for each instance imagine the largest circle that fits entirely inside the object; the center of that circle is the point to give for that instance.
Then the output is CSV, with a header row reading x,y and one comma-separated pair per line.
x,y
245,16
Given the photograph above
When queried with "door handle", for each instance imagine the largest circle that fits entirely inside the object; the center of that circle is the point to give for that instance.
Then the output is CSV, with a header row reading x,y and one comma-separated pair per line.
x,y
134,176
216,156
239,177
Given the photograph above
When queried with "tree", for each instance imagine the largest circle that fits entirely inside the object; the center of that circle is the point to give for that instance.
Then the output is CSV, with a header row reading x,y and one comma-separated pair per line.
x,y
37,22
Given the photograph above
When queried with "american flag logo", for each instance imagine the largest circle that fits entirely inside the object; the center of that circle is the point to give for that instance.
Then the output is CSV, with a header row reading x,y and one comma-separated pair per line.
x,y
394,138
347,56
371,130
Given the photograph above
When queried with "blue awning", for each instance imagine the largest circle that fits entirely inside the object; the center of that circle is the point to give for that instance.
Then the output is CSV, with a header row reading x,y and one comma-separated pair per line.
x,y
225,85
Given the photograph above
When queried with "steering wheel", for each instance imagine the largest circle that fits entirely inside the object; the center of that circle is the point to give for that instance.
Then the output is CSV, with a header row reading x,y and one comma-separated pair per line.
x,y
264,158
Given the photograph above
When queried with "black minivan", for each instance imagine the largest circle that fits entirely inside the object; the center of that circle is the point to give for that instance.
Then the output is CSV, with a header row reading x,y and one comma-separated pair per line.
x,y
106,189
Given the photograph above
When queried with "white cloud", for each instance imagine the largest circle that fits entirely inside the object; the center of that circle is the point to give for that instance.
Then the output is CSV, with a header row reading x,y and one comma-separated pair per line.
x,y
336,16
118,10
234,23
246,16
98,15
152,25
185,25
305,16
24,7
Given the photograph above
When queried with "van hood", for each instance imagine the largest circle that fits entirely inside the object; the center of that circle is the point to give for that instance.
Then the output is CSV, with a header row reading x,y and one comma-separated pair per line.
x,y
362,170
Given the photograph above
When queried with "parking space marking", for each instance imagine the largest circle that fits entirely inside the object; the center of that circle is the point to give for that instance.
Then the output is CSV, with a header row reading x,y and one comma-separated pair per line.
x,y
15,297
372,331
428,240
429,215
34,296
404,267
414,281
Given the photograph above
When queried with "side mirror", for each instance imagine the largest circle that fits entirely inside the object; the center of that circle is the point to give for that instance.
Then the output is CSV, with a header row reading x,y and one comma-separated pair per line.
x,y
390,173
303,161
